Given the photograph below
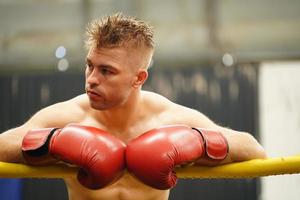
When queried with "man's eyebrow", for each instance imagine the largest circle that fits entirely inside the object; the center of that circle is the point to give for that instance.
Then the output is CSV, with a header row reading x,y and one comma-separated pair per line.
x,y
88,60
101,65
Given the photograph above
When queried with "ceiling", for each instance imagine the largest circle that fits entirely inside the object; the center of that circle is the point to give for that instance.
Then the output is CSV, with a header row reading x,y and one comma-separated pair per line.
x,y
187,33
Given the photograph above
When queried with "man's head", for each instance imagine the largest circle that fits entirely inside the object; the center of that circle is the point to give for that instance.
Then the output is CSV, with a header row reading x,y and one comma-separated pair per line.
x,y
120,50
118,30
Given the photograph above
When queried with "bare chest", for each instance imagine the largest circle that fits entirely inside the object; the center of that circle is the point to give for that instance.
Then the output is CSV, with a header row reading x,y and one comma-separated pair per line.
x,y
127,133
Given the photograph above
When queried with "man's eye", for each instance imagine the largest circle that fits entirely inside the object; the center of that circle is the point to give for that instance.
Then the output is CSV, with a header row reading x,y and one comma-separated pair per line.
x,y
88,66
105,71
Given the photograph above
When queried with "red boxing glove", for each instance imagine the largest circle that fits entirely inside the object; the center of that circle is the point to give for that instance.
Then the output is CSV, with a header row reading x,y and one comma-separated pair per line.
x,y
99,155
152,157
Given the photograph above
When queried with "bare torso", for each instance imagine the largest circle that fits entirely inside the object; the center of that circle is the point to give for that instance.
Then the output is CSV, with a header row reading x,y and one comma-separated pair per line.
x,y
153,115
152,111
124,189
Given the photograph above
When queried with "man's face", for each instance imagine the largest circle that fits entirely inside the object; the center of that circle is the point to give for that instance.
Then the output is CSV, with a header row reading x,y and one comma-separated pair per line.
x,y
110,75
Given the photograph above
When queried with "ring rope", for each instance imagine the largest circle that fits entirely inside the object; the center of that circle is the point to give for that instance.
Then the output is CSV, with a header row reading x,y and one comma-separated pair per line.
x,y
246,169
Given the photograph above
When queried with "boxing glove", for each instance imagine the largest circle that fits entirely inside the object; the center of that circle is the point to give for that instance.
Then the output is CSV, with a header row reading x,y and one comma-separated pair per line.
x,y
99,155
153,156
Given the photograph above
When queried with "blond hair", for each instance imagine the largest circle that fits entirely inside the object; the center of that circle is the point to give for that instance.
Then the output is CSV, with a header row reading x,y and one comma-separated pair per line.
x,y
117,30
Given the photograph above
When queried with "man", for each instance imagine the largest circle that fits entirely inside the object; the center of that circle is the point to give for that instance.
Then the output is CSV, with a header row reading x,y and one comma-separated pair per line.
x,y
116,123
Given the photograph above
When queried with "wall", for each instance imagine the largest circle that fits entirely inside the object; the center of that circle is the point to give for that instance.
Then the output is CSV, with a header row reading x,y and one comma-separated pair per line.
x,y
279,100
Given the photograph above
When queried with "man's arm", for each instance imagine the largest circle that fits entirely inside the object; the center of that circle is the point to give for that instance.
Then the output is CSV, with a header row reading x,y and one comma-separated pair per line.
x,y
242,145
10,145
52,116
189,137
47,137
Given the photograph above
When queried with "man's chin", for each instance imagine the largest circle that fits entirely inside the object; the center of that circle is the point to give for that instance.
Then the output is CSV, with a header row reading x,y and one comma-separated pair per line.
x,y
98,106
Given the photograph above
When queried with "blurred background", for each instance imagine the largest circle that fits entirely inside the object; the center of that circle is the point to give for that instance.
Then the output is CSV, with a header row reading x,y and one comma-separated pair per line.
x,y
238,62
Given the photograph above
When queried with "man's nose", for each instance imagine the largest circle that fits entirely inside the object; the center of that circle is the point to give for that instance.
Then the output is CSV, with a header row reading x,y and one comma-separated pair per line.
x,y
94,78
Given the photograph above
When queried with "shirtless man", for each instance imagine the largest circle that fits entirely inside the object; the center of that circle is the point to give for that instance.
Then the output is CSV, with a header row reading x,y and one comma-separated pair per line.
x,y
120,49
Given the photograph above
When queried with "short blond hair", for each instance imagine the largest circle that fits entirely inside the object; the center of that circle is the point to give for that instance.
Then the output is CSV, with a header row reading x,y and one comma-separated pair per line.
x,y
116,30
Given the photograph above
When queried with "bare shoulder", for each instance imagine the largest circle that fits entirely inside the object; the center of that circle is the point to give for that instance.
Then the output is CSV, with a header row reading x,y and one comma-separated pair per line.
x,y
61,113
190,116
81,102
156,101
174,113
56,115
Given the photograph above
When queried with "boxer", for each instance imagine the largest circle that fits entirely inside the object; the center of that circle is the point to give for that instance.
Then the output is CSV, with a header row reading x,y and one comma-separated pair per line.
x,y
122,115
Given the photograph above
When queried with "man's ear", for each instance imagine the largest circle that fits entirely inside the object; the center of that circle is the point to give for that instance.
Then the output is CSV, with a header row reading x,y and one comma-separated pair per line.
x,y
140,79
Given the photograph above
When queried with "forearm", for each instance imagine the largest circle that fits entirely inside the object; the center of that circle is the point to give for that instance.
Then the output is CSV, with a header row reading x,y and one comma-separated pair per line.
x,y
10,147
242,146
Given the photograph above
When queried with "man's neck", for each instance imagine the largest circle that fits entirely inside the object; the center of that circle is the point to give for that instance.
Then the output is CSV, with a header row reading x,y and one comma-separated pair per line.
x,y
121,117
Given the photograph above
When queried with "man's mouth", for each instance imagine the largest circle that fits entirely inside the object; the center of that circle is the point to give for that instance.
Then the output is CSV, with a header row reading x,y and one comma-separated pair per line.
x,y
92,94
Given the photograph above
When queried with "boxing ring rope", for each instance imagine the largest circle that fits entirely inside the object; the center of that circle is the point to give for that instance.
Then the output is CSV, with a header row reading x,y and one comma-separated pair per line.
x,y
246,169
